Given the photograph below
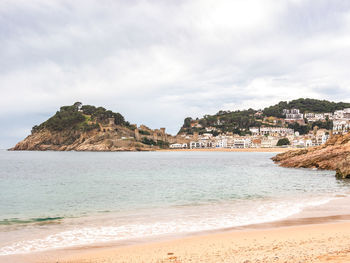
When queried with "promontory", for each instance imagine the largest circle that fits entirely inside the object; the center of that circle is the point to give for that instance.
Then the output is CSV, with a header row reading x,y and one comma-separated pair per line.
x,y
333,155
88,128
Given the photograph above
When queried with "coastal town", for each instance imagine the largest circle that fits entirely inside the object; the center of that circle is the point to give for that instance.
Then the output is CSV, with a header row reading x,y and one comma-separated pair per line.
x,y
274,134
300,123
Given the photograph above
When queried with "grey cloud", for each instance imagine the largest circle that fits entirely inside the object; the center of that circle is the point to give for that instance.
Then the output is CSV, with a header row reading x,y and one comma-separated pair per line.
x,y
157,62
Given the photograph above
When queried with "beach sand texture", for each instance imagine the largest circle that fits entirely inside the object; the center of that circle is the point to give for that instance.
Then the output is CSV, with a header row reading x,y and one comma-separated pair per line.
x,y
310,243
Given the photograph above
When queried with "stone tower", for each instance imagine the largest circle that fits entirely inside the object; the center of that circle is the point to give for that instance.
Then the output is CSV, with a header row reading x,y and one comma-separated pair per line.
x,y
137,134
195,136
155,135
111,121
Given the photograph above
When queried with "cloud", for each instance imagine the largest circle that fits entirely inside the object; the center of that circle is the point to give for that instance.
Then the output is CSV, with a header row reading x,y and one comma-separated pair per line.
x,y
157,62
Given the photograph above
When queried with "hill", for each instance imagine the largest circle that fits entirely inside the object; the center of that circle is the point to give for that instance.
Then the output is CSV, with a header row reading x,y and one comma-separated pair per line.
x,y
89,128
239,121
305,105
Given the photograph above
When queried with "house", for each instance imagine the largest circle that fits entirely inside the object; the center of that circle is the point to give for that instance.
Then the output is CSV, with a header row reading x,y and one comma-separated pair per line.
x,y
221,143
276,131
195,145
321,137
256,143
341,126
293,114
309,115
269,142
254,130
242,143
259,113
304,142
328,115
342,114
200,144
308,143
176,146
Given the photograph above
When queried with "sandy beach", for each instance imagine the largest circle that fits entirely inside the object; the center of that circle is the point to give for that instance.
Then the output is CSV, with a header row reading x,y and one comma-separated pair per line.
x,y
275,149
326,242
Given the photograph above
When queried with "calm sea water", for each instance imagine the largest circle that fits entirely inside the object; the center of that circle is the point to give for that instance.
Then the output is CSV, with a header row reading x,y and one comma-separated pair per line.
x,y
59,199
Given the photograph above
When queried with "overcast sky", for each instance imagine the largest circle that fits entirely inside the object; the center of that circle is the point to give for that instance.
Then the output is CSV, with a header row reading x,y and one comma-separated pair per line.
x,y
157,62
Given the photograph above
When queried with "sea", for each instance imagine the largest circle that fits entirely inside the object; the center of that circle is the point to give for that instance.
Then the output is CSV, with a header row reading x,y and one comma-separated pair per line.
x,y
55,200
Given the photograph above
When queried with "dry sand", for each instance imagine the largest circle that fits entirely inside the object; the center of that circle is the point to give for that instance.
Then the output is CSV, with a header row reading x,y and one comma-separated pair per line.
x,y
276,149
328,242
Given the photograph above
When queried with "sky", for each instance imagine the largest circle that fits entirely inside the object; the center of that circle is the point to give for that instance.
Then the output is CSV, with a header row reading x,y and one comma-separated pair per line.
x,y
157,62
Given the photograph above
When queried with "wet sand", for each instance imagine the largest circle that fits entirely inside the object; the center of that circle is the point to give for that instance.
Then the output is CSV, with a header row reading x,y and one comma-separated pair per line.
x,y
321,239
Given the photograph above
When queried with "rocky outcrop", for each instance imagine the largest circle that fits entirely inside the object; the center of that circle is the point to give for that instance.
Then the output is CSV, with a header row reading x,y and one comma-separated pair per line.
x,y
73,140
334,155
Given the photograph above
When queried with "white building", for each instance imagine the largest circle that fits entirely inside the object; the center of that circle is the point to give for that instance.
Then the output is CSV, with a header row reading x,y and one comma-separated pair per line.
x,y
321,137
341,126
308,143
221,143
178,146
269,142
328,115
276,131
195,145
200,144
302,143
254,130
242,143
311,117
342,114
293,114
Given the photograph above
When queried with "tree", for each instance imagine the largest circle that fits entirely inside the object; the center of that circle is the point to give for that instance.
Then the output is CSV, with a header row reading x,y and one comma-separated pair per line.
x,y
283,141
88,109
187,122
302,129
72,117
35,128
77,105
305,105
118,118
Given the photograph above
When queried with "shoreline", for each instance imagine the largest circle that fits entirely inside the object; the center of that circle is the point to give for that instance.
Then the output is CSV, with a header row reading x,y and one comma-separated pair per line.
x,y
262,242
274,149
221,245
312,242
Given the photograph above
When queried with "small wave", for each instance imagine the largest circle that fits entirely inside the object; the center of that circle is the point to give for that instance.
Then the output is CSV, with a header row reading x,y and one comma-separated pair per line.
x,y
13,221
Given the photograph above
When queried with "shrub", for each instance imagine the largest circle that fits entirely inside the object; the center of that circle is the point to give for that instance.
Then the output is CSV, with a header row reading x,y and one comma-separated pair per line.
x,y
283,141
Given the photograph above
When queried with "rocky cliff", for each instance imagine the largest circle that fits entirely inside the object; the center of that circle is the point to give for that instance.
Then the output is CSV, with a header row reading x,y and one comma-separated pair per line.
x,y
88,128
80,141
334,155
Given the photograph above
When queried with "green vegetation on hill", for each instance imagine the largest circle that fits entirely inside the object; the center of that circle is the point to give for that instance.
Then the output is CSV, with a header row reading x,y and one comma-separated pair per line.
x,y
160,143
305,105
101,114
80,117
239,122
224,121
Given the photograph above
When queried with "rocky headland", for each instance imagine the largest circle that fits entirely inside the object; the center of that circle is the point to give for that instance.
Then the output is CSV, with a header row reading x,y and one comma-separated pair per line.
x,y
46,140
89,128
333,155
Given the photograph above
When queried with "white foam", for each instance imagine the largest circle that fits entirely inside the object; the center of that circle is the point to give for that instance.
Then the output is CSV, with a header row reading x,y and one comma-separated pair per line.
x,y
260,212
